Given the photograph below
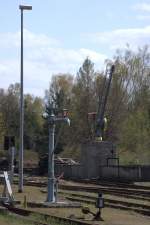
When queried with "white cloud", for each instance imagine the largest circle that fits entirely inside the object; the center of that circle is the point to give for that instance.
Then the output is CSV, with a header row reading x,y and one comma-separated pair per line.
x,y
143,17
31,40
144,10
43,57
118,38
145,7
65,59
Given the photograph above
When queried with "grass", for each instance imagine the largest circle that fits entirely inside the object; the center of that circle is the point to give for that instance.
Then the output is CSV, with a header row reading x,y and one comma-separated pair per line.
x,y
6,219
111,216
3,153
31,158
11,219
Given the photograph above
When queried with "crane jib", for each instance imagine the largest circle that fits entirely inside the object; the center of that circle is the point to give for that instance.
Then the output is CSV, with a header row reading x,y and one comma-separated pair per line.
x,y
103,101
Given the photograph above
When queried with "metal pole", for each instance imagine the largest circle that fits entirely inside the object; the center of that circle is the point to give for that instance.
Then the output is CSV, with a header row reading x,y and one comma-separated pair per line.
x,y
12,164
51,197
20,188
21,147
51,178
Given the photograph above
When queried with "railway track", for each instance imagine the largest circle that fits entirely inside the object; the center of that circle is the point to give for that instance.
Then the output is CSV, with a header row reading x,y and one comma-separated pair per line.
x,y
128,193
117,184
118,204
138,194
71,192
42,219
143,191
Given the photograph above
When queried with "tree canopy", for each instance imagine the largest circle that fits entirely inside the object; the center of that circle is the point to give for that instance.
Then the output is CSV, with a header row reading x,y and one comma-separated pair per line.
x,y
127,111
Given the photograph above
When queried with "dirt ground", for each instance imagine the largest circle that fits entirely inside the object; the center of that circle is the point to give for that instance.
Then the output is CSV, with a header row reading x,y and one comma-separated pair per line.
x,y
110,216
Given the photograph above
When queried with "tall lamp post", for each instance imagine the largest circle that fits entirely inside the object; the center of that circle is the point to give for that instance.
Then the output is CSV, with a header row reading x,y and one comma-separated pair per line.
x,y
20,188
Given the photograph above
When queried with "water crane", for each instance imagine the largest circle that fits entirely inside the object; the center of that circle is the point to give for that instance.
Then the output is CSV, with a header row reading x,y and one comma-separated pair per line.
x,y
100,119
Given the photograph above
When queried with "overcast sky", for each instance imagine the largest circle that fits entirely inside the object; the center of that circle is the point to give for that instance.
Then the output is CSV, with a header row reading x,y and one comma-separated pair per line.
x,y
60,34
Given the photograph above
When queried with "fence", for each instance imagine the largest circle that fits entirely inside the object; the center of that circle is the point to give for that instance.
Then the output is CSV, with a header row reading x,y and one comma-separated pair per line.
x,y
125,173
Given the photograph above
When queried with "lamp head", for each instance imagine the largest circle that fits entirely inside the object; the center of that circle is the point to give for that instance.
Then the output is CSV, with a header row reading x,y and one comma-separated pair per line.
x,y
25,7
45,115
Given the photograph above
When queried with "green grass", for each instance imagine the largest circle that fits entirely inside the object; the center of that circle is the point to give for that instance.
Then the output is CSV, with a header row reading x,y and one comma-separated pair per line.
x,y
30,157
11,219
6,219
3,153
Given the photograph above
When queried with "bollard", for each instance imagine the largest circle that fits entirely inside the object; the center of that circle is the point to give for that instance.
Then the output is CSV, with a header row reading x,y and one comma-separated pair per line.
x,y
99,205
25,202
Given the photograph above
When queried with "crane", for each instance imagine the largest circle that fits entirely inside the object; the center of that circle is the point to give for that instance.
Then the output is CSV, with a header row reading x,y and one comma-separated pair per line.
x,y
100,119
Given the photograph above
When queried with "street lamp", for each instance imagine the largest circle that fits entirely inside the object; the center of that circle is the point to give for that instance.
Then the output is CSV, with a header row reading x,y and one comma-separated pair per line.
x,y
20,188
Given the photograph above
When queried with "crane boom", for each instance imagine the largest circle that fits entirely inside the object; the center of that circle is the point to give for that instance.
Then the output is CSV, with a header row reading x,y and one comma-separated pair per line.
x,y
103,102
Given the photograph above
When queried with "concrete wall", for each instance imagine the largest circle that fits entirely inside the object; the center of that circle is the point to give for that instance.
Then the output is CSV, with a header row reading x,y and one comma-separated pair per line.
x,y
145,173
98,161
70,171
130,173
122,173
94,154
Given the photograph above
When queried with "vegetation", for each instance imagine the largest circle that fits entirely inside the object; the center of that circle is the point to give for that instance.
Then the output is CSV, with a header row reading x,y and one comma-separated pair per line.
x,y
12,219
6,219
128,109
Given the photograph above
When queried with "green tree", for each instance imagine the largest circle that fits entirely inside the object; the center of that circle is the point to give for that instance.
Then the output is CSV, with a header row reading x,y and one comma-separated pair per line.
x,y
60,93
9,108
84,99
135,126
33,122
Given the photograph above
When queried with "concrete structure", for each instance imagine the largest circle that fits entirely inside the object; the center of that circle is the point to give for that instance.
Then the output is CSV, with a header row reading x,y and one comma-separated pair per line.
x,y
99,161
74,172
95,154
111,173
125,173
